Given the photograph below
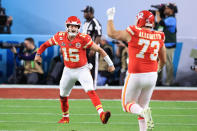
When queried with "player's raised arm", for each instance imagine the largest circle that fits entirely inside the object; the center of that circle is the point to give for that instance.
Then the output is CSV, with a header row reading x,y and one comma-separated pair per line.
x,y
162,54
112,32
43,47
95,47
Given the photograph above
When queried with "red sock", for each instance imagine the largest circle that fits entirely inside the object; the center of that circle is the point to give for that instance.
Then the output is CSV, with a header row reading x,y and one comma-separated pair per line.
x,y
64,106
95,100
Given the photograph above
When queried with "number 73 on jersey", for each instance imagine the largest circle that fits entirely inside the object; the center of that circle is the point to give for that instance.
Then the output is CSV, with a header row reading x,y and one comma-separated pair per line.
x,y
146,43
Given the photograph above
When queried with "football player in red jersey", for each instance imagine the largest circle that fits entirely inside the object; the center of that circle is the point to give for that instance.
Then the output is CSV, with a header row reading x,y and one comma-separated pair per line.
x,y
147,55
73,45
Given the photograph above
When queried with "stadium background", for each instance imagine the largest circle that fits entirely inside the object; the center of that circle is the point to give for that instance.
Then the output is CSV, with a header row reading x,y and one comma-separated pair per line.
x,y
48,16
42,19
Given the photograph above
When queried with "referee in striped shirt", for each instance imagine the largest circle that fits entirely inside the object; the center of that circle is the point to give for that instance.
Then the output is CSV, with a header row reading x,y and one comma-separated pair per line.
x,y
93,28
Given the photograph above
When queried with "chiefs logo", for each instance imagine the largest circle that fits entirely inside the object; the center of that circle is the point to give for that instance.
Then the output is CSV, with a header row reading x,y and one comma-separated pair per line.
x,y
140,15
78,45
61,38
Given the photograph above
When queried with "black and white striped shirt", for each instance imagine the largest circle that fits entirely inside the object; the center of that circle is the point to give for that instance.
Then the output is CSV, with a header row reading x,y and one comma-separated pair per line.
x,y
92,28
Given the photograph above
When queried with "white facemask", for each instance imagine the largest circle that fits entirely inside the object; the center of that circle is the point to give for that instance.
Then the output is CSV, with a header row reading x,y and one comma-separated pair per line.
x,y
72,34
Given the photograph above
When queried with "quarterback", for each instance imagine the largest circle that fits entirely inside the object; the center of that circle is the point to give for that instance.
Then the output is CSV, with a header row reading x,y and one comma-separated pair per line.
x,y
73,45
147,55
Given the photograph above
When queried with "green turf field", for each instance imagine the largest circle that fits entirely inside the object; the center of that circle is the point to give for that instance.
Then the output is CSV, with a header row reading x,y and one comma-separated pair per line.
x,y
42,115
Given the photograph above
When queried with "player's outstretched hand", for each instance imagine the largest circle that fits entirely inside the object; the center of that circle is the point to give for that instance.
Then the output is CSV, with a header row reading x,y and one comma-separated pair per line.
x,y
38,59
111,68
111,13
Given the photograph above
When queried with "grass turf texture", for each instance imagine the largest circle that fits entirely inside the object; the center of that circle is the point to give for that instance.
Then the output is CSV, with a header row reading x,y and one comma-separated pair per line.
x,y
43,115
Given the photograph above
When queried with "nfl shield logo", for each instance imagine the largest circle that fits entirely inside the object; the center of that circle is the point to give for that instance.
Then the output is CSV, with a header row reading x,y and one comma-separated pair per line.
x,y
78,45
63,44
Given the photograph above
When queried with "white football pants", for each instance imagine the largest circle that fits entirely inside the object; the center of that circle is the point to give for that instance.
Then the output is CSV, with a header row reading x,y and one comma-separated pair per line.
x,y
70,76
138,88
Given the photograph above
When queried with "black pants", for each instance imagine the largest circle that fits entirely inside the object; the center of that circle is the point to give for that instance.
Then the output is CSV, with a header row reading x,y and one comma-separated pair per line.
x,y
30,78
33,78
56,74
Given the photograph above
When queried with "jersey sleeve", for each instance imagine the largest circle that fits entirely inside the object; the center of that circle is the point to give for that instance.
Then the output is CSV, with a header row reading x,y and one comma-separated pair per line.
x,y
87,41
43,47
170,21
163,36
131,30
52,41
162,39
55,39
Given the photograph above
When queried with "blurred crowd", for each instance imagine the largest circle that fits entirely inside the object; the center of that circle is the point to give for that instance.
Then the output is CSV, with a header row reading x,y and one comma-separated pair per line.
x,y
30,72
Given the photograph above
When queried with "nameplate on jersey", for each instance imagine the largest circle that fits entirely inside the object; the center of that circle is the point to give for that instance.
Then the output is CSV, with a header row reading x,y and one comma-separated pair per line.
x,y
149,36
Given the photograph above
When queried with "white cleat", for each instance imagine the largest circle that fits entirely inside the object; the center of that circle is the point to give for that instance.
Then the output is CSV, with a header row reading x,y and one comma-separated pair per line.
x,y
148,118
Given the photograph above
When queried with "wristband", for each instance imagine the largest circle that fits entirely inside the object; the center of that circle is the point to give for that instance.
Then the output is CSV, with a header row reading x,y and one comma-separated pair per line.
x,y
110,17
38,54
108,60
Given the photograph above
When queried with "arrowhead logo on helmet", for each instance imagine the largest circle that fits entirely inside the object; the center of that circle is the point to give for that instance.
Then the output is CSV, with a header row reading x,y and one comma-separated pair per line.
x,y
145,18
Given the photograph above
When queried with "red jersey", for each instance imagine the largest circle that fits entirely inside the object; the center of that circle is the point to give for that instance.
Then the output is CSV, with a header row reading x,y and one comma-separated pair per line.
x,y
143,49
74,52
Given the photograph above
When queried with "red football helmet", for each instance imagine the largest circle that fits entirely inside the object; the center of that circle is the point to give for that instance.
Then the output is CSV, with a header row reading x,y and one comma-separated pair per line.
x,y
145,18
73,20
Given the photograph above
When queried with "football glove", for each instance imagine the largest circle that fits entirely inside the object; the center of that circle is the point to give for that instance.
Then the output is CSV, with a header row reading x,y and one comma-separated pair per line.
x,y
111,13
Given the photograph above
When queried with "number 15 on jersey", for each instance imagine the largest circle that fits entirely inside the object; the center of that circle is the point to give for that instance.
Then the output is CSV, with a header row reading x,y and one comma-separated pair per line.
x,y
72,55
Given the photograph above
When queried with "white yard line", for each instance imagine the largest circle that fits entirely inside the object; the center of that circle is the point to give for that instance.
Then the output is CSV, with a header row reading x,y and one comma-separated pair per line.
x,y
98,87
113,107
89,100
111,123
57,114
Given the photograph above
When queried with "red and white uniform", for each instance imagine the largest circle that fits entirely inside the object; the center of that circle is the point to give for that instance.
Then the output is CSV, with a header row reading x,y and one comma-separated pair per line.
x,y
142,68
74,52
75,61
143,49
